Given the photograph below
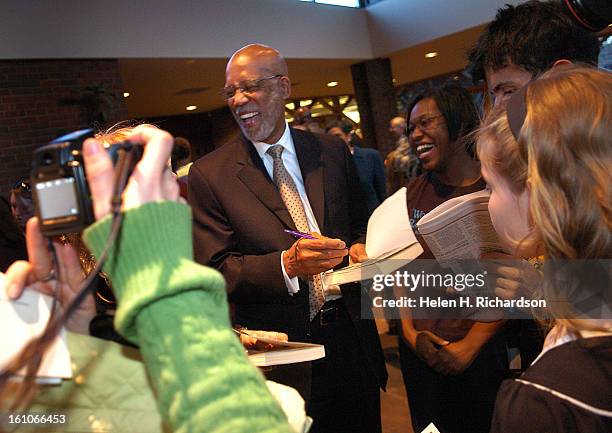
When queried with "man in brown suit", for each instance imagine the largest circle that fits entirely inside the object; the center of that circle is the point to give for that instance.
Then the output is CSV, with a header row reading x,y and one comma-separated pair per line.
x,y
244,196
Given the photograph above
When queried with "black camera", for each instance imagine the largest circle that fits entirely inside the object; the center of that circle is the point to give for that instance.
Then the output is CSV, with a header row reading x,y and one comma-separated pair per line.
x,y
593,15
61,194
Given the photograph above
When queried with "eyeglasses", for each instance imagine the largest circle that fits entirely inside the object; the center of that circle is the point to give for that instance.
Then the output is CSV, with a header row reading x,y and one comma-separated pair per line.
x,y
247,87
424,123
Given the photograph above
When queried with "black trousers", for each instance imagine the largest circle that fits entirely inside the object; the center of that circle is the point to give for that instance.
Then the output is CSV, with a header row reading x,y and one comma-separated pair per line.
x,y
344,394
455,404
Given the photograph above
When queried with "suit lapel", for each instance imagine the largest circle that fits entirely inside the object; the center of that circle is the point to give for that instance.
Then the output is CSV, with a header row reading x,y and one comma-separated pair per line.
x,y
308,152
360,162
255,177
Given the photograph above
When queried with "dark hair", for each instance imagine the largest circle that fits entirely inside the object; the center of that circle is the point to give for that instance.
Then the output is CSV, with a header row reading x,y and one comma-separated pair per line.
x,y
344,126
180,152
457,106
10,233
532,36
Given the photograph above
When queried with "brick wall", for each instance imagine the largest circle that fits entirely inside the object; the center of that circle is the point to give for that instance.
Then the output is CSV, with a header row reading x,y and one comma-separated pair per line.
x,y
41,99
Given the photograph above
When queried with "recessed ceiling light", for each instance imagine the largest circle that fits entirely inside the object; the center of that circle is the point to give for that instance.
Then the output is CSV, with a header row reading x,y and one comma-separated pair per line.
x,y
431,55
332,84
126,94
191,107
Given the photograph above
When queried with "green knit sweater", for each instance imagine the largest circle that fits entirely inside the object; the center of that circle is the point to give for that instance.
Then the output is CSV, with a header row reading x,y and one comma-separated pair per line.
x,y
177,312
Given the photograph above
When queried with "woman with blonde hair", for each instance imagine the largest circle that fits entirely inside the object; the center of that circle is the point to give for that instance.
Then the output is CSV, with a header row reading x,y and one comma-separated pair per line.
x,y
548,158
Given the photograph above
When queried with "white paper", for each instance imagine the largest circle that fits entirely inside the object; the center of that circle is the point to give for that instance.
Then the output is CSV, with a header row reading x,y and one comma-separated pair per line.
x,y
25,318
389,226
431,428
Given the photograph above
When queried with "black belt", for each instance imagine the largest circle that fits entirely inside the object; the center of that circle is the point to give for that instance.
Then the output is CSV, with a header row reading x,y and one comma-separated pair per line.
x,y
330,312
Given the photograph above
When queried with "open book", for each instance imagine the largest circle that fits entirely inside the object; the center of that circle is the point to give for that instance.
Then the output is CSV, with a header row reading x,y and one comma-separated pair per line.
x,y
390,243
460,229
23,319
284,352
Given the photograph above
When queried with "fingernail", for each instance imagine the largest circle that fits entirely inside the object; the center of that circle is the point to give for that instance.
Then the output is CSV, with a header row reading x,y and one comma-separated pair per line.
x,y
90,147
12,291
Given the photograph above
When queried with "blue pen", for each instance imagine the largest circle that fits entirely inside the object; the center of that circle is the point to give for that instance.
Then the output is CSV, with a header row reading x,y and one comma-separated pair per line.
x,y
299,235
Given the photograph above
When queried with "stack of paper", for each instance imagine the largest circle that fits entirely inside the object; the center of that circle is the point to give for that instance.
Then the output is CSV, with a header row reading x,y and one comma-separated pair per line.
x,y
390,243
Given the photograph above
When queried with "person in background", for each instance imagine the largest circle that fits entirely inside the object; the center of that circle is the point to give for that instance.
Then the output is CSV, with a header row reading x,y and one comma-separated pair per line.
x,y
401,163
22,206
12,241
181,157
452,367
181,162
546,159
302,119
370,167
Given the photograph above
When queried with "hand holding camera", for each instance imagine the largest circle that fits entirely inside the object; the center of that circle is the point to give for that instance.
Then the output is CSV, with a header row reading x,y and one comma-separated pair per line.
x,y
58,165
69,196
151,179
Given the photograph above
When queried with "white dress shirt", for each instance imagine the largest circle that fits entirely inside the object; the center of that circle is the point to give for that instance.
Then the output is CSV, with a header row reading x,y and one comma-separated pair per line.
x,y
293,167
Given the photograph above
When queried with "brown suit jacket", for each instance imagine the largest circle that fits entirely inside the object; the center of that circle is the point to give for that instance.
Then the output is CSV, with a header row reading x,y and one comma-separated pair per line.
x,y
239,218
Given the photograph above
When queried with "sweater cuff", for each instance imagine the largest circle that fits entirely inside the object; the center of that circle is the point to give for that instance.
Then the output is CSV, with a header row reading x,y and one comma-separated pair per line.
x,y
152,259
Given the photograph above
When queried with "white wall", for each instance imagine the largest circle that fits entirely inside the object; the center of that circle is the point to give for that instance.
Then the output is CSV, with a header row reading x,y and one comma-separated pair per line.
x,y
216,28
178,28
399,24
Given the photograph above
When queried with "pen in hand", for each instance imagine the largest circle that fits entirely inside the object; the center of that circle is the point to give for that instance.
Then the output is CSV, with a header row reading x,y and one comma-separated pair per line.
x,y
299,235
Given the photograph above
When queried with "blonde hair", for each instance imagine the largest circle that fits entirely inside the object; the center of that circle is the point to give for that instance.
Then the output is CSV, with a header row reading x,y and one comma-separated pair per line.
x,y
120,131
564,154
500,153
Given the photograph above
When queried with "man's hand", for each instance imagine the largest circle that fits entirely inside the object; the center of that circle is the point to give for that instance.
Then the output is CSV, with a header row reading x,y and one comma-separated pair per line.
x,y
251,339
358,254
427,347
455,358
36,274
308,257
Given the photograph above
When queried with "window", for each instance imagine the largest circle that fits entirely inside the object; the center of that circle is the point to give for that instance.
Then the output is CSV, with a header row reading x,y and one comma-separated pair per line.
x,y
605,55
